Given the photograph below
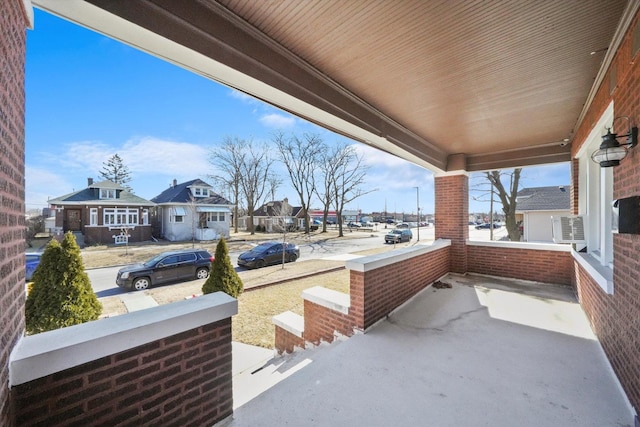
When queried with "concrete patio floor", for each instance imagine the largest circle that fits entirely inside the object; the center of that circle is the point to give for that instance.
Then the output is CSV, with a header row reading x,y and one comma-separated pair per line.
x,y
486,352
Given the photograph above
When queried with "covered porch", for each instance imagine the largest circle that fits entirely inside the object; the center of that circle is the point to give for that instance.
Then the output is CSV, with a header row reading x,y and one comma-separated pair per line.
x,y
486,351
472,87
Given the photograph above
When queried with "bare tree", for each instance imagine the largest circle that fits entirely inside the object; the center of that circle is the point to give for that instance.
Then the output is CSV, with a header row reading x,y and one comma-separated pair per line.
x,y
326,193
281,217
348,178
228,160
507,198
274,183
301,156
255,176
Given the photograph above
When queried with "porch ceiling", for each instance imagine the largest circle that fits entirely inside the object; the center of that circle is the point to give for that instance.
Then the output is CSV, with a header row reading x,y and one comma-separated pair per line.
x,y
503,82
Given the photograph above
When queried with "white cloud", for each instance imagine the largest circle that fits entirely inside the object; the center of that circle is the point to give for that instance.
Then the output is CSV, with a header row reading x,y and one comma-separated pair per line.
x,y
277,121
389,172
155,156
153,163
242,96
40,183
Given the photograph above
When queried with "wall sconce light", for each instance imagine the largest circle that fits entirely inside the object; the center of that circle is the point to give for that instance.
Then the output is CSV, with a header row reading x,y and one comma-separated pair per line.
x,y
611,151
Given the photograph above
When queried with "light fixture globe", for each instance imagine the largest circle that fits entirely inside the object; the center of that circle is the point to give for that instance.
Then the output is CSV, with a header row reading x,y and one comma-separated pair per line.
x,y
611,151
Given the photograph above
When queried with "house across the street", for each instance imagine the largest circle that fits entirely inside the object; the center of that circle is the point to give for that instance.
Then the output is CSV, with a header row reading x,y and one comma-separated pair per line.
x,y
275,215
102,213
191,210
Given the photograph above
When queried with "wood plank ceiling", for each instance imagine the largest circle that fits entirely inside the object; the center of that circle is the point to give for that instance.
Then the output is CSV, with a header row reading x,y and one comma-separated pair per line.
x,y
502,81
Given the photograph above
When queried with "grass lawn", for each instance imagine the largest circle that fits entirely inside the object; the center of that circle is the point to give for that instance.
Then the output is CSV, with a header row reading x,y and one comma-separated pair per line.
x,y
252,325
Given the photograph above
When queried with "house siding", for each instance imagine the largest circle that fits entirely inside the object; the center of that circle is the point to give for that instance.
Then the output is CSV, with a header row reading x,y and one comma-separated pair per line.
x,y
615,318
12,104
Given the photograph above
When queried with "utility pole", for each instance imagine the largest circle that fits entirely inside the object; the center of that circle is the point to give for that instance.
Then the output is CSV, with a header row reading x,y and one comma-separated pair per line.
x,y
418,210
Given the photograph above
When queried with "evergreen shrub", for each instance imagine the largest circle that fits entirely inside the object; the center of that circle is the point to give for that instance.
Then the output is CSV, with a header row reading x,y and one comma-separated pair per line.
x,y
61,294
223,277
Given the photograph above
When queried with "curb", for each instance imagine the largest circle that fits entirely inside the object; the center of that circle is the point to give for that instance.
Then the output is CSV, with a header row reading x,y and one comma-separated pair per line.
x,y
291,279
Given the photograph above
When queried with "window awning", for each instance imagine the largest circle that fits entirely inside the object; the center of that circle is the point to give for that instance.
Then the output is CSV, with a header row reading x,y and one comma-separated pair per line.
x,y
211,209
179,211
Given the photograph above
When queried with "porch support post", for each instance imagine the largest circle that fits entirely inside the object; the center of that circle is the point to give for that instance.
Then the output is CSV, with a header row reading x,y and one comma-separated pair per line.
x,y
452,215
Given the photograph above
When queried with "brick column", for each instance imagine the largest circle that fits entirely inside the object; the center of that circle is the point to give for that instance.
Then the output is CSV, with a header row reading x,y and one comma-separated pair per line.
x,y
452,216
575,174
13,22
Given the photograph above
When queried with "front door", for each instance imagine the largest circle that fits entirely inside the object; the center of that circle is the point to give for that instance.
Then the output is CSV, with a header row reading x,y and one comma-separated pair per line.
x,y
73,219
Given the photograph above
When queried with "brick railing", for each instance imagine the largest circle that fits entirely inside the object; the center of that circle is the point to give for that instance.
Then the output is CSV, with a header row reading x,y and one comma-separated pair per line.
x,y
378,285
168,364
540,262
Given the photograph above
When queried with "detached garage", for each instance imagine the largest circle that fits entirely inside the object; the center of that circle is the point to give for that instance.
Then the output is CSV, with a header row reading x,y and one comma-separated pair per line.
x,y
534,208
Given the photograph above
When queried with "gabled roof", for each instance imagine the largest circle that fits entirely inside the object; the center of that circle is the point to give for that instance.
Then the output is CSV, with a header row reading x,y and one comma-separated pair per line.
x,y
274,207
181,193
544,198
88,196
108,184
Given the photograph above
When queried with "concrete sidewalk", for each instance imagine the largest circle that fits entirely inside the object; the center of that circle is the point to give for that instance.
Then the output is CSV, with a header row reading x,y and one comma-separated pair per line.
x,y
486,352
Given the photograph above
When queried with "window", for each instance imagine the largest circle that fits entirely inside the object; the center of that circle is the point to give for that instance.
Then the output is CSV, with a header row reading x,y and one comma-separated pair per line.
x,y
170,260
107,193
93,216
596,195
145,216
215,217
200,192
177,214
190,257
120,216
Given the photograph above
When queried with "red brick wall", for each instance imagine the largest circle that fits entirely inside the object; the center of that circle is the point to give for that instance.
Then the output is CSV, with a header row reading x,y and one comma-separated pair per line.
x,y
320,323
376,293
93,235
12,243
286,342
616,318
181,380
526,264
616,326
452,216
575,188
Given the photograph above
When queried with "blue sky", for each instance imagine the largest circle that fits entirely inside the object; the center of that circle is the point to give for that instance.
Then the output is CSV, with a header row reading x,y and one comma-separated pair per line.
x,y
89,97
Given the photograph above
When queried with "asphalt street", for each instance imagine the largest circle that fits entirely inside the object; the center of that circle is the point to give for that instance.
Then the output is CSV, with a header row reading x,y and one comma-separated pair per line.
x,y
103,279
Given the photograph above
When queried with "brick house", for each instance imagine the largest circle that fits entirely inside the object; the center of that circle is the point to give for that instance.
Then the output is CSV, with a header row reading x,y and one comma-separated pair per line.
x,y
275,214
496,96
102,213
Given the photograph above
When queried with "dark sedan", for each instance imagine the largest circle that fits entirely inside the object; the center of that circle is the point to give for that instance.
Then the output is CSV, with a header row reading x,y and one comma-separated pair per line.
x,y
269,253
487,225
166,267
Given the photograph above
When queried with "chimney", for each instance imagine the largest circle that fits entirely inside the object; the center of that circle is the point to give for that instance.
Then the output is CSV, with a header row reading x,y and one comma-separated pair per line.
x,y
175,182
90,182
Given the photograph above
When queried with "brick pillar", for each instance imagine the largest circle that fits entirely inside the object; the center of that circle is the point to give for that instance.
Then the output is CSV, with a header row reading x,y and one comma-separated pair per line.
x,y
452,216
13,23
575,174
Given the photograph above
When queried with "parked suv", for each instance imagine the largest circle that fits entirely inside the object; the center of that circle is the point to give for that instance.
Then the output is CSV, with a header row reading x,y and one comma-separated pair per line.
x,y
166,267
398,235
